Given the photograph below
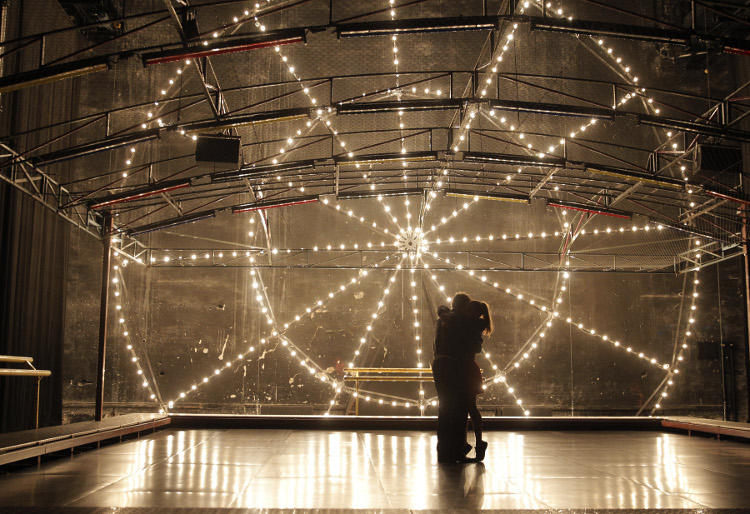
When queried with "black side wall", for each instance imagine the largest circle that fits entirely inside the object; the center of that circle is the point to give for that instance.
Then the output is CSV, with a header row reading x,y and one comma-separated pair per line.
x,y
33,263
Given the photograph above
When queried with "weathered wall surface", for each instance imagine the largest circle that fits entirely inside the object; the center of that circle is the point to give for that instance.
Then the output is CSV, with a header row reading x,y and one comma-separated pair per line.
x,y
187,320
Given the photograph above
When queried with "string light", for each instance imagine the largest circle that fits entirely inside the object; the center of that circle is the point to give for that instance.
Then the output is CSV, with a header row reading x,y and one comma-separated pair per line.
x,y
471,115
662,392
368,332
495,377
120,294
350,214
291,142
279,333
452,239
323,112
627,72
554,316
453,215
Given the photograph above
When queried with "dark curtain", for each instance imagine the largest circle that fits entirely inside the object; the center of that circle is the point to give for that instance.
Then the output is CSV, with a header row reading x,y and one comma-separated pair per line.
x,y
33,263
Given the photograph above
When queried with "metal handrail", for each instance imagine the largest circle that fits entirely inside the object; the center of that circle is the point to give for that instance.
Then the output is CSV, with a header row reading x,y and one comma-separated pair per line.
x,y
24,372
13,358
388,370
33,372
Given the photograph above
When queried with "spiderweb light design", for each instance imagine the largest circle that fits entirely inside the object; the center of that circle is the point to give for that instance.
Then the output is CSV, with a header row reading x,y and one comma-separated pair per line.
x,y
416,240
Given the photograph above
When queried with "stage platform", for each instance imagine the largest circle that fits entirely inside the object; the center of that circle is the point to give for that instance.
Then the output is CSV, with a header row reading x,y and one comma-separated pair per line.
x,y
425,423
381,465
26,444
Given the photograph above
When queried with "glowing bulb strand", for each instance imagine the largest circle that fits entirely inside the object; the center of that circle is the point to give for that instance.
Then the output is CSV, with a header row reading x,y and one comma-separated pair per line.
x,y
679,358
242,357
556,315
495,378
350,213
453,215
390,279
120,293
291,142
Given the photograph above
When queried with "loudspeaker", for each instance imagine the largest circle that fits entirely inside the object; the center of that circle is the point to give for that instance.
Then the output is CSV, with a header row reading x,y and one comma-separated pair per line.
x,y
190,25
719,165
217,150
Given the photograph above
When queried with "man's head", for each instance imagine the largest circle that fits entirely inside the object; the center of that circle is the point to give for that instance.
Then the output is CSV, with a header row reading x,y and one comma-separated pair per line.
x,y
460,301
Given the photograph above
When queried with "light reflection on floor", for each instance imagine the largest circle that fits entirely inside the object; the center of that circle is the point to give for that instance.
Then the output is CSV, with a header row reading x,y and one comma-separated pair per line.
x,y
377,470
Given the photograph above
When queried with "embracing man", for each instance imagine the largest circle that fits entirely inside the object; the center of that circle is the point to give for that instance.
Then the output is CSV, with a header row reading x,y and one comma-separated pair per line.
x,y
450,351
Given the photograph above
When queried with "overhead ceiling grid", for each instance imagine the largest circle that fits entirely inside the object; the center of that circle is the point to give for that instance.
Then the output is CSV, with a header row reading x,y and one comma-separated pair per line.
x,y
576,120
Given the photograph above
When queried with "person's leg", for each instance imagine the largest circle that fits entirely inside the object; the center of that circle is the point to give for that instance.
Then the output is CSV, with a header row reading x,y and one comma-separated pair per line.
x,y
480,446
476,419
451,410
460,392
441,374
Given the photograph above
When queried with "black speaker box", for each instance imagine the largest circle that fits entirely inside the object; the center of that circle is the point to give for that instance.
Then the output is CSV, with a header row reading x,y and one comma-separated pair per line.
x,y
719,165
190,25
217,150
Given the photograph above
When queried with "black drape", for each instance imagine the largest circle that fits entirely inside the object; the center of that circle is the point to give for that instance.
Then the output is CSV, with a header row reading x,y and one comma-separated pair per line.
x,y
33,262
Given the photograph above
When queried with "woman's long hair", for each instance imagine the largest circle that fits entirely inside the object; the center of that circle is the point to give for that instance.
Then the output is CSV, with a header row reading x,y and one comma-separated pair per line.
x,y
482,311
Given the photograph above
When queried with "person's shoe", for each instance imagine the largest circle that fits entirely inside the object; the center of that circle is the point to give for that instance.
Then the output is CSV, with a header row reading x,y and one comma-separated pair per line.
x,y
481,449
466,460
467,448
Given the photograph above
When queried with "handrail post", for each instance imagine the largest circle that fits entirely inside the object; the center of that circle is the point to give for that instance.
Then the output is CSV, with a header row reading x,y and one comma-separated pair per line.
x,y
102,353
38,385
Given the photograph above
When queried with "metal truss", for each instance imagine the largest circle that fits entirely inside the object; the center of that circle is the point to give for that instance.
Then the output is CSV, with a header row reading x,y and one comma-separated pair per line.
x,y
30,180
685,37
389,259
626,190
720,129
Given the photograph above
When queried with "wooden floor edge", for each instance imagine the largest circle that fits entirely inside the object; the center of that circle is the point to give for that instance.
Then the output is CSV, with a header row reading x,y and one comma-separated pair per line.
x,y
80,439
706,428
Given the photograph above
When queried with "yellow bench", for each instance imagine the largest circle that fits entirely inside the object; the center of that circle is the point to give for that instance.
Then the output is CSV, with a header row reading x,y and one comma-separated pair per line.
x,y
358,375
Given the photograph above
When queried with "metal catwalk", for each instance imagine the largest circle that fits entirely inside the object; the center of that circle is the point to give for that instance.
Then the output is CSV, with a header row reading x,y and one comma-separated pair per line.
x,y
318,469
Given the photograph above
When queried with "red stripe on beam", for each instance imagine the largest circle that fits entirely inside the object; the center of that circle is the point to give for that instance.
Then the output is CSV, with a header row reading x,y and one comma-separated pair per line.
x,y
139,196
726,197
219,51
264,207
592,211
736,51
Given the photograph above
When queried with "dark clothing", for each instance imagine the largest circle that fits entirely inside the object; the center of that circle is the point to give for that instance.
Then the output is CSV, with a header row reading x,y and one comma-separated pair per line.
x,y
473,377
457,335
453,350
452,408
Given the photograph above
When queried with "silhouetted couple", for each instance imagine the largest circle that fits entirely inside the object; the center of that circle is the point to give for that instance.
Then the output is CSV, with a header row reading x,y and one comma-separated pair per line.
x,y
458,379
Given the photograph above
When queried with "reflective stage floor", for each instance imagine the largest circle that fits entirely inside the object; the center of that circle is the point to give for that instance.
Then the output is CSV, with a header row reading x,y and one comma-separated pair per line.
x,y
284,469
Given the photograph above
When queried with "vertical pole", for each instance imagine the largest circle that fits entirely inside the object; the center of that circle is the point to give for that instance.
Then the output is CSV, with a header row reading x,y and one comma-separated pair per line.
x,y
42,48
36,419
746,262
103,304
614,97
693,23
721,348
356,399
